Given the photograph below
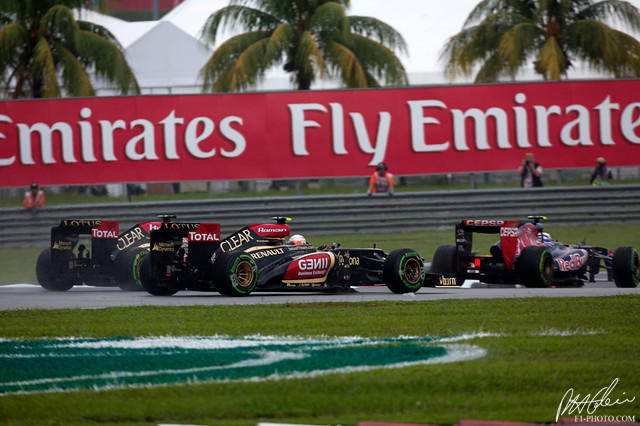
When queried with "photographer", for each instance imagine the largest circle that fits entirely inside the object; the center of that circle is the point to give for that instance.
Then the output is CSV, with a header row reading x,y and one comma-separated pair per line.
x,y
530,172
601,175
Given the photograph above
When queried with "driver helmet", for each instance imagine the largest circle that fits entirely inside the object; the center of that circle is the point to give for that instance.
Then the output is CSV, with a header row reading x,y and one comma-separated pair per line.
x,y
297,239
546,237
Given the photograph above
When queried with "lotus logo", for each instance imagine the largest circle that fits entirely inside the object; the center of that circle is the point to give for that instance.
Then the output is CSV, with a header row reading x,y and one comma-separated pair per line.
x,y
87,364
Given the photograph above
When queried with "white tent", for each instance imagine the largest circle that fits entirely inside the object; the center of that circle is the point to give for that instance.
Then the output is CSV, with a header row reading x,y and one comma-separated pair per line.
x,y
164,58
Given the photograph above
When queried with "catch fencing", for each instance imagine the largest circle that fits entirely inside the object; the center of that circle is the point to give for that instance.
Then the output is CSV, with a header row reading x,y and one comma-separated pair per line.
x,y
353,213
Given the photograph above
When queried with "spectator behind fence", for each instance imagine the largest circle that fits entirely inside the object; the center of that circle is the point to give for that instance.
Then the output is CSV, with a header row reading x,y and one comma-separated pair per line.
x,y
530,172
381,181
601,174
33,199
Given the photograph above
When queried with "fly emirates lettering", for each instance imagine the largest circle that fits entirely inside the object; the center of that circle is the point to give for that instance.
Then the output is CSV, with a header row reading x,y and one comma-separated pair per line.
x,y
77,139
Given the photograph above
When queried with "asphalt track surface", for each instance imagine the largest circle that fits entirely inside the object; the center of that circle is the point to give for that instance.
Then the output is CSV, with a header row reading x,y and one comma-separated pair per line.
x,y
29,296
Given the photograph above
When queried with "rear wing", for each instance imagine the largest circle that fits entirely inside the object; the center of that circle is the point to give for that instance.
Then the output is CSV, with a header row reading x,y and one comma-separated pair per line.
x,y
200,239
507,229
486,226
103,233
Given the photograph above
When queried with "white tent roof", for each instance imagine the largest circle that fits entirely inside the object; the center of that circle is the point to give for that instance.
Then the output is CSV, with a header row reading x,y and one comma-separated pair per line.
x,y
163,56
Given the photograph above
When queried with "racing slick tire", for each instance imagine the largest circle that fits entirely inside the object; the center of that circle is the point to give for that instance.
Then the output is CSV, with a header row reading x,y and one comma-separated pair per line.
x,y
152,284
45,275
626,267
403,271
535,266
235,274
445,260
127,268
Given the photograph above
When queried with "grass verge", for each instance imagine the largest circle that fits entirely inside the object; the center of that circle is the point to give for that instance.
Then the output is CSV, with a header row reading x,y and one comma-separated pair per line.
x,y
541,347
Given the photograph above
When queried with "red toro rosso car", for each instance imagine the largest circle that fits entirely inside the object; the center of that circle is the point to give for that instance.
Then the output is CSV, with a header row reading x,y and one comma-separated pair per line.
x,y
192,256
525,254
94,253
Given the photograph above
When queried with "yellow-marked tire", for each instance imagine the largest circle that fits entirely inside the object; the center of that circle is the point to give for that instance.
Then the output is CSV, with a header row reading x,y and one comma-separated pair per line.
x,y
403,271
235,274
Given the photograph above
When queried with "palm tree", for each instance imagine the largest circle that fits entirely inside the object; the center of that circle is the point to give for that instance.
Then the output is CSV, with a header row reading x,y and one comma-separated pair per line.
x,y
312,38
503,36
45,51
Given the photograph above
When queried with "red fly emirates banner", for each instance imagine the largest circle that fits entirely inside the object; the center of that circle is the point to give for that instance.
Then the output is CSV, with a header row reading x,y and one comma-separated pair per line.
x,y
415,131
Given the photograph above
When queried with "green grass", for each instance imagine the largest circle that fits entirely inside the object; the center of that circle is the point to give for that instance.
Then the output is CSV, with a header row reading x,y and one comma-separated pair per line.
x,y
18,264
523,377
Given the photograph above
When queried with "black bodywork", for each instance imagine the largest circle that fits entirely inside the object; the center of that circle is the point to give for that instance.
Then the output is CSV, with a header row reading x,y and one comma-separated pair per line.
x,y
257,258
94,253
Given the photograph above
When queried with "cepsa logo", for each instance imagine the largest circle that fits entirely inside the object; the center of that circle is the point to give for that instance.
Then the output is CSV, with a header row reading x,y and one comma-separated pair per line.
x,y
506,231
314,266
484,222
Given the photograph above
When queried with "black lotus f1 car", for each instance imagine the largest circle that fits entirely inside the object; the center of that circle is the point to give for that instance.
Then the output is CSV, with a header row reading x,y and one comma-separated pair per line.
x,y
192,256
525,254
111,260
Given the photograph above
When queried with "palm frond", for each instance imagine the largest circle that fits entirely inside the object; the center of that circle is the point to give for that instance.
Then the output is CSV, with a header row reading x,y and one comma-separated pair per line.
x,y
551,61
12,39
604,48
517,44
237,63
59,24
44,69
380,62
308,58
105,58
346,63
377,30
74,78
240,18
279,44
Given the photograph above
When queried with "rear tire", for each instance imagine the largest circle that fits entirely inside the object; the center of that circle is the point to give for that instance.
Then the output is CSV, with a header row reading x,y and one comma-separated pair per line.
x,y
626,267
445,260
235,274
152,284
46,276
127,269
403,271
535,266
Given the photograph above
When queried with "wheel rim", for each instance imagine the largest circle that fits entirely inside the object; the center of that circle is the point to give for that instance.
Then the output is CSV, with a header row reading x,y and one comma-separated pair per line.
x,y
635,267
244,274
547,268
412,271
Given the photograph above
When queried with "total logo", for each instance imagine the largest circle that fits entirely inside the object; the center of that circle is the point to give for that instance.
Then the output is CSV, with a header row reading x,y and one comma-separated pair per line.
x,y
80,364
203,236
99,233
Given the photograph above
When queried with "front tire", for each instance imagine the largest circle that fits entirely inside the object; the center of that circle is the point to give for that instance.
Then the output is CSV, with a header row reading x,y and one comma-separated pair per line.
x,y
46,275
235,274
626,267
403,271
535,266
